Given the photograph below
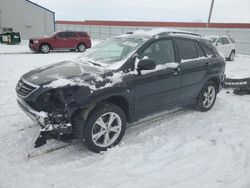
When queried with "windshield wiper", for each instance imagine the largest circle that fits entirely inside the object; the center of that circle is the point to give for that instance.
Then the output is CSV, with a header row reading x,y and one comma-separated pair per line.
x,y
95,64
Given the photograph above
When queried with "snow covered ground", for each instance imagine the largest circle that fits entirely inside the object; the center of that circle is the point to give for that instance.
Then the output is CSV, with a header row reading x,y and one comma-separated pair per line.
x,y
185,149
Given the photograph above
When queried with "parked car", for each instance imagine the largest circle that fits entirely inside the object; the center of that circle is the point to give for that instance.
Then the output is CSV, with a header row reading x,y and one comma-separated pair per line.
x,y
120,80
63,40
225,45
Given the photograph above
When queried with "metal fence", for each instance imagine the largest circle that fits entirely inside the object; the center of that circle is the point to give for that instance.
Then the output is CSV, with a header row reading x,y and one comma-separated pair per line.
x,y
241,36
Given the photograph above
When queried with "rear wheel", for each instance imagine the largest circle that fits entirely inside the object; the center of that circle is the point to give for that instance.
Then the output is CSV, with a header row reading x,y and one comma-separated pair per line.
x,y
207,97
232,56
81,48
104,128
45,48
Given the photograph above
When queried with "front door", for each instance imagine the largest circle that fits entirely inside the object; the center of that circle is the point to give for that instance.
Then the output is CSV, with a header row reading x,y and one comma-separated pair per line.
x,y
158,89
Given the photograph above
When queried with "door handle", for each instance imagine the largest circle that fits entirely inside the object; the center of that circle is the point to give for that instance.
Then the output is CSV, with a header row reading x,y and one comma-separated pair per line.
x,y
207,64
176,71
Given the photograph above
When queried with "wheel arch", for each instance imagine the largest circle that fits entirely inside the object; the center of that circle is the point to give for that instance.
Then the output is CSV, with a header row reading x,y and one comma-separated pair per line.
x,y
78,44
118,100
81,115
46,44
216,80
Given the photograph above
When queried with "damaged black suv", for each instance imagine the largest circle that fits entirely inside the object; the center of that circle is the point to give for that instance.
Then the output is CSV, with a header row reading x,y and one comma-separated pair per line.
x,y
120,80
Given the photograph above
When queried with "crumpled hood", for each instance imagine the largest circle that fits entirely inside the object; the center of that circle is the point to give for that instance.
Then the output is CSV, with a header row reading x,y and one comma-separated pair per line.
x,y
62,70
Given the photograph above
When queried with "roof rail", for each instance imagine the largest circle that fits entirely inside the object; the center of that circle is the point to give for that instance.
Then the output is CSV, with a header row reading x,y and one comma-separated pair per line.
x,y
182,32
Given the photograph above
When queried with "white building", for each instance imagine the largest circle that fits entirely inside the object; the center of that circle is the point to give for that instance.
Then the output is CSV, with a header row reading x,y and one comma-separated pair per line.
x,y
26,17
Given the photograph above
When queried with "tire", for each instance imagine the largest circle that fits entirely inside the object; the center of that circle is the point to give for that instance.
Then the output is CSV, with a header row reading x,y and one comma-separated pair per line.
x,y
44,48
81,48
232,56
100,132
207,97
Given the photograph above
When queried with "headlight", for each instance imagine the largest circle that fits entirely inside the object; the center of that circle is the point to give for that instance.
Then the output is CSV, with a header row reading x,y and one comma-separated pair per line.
x,y
36,41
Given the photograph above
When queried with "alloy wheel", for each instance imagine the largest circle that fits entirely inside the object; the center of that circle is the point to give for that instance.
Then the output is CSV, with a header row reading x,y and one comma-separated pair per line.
x,y
106,129
209,97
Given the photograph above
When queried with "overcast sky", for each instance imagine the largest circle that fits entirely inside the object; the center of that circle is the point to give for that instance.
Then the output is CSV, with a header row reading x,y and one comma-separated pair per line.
x,y
149,10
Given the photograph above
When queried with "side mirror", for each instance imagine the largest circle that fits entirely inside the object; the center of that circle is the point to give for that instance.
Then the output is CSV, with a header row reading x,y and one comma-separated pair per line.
x,y
146,64
55,37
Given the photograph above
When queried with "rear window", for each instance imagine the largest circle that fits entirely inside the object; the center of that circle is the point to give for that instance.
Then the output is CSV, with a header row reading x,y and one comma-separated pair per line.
x,y
232,40
187,49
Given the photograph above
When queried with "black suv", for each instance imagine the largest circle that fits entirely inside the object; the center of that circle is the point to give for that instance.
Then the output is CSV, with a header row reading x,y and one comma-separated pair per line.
x,y
121,80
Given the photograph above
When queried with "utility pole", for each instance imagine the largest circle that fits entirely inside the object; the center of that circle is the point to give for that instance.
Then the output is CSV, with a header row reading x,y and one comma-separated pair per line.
x,y
0,21
210,13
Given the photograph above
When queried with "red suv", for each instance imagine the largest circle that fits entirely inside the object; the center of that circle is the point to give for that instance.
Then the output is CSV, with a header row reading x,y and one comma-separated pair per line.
x,y
62,40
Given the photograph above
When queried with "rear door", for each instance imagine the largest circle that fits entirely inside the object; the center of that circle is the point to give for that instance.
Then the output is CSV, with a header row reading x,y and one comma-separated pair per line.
x,y
71,40
194,66
157,89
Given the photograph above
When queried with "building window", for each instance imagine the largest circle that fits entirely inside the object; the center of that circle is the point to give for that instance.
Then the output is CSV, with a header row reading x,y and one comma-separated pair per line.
x,y
5,30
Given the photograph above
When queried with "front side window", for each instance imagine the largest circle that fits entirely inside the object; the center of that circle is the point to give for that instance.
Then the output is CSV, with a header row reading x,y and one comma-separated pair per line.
x,y
61,35
187,49
219,41
161,52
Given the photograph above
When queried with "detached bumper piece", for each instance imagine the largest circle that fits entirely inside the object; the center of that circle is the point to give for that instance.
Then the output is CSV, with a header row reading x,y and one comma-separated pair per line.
x,y
241,86
48,130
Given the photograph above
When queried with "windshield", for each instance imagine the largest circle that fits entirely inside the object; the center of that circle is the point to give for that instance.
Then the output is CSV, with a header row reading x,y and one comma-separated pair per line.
x,y
52,34
213,39
113,50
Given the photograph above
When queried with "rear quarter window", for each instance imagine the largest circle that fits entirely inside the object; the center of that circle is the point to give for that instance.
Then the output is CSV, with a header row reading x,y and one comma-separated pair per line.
x,y
232,40
207,49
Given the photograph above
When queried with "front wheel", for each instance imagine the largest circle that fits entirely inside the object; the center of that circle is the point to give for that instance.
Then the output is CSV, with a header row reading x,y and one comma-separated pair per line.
x,y
104,128
207,97
45,48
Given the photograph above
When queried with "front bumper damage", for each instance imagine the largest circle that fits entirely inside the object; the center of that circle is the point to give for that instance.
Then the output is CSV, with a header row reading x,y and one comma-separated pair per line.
x,y
48,129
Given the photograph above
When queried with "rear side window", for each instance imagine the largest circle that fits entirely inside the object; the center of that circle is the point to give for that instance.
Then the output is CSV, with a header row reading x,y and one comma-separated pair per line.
x,y
70,34
187,49
225,40
232,40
